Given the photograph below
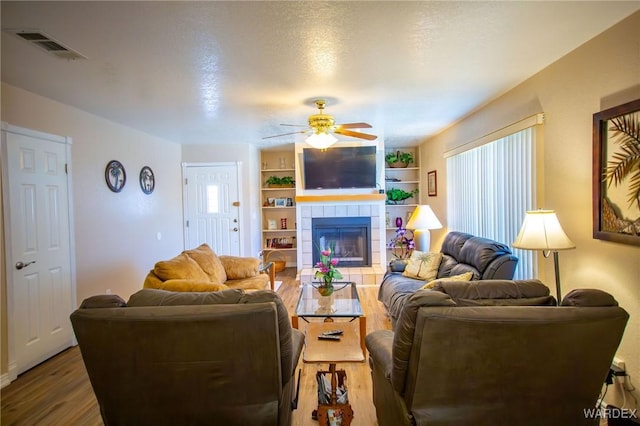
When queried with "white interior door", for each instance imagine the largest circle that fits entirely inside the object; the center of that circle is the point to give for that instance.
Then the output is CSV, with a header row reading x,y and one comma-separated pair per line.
x,y
40,291
212,207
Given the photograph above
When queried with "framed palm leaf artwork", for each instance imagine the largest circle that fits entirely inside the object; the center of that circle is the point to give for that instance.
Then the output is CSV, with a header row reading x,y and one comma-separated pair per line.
x,y
616,174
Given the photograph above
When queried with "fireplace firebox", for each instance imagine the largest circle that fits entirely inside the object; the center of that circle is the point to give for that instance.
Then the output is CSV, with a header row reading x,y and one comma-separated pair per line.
x,y
350,238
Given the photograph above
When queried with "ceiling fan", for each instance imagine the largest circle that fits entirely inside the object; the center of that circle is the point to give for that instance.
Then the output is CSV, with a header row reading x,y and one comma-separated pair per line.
x,y
321,126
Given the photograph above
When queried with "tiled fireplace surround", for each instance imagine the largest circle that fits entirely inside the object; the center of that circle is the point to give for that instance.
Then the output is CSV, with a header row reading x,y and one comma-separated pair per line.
x,y
306,211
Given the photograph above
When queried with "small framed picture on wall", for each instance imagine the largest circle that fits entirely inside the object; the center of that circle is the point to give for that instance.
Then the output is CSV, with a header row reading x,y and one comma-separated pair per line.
x,y
432,183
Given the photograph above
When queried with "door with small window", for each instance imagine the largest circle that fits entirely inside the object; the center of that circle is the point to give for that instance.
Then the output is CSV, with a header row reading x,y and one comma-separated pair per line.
x,y
212,207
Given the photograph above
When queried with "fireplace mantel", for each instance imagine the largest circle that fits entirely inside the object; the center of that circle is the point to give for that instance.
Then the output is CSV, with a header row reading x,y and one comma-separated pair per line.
x,y
339,197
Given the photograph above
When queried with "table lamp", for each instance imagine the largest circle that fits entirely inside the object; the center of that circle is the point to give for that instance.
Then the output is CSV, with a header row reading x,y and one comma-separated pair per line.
x,y
421,221
541,230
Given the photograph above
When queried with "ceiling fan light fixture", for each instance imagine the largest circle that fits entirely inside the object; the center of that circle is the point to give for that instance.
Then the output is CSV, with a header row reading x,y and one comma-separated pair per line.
x,y
321,140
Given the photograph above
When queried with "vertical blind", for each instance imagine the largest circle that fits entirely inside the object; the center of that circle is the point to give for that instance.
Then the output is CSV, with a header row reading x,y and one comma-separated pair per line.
x,y
489,189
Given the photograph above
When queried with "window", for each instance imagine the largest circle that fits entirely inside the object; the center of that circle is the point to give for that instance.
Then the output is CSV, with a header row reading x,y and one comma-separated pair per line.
x,y
489,189
212,199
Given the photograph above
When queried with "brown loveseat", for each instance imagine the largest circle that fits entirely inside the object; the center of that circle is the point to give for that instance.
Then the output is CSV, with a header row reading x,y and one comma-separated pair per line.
x,y
168,358
200,269
458,356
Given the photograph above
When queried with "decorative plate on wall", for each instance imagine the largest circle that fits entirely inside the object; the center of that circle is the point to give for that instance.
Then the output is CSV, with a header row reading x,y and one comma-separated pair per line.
x,y
115,176
147,180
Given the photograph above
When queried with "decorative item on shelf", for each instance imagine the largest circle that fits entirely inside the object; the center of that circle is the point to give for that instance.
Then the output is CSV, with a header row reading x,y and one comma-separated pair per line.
x,y
280,182
398,222
283,163
278,258
289,202
327,272
541,230
147,180
280,243
283,223
422,220
271,224
399,196
399,159
387,219
115,175
402,245
280,202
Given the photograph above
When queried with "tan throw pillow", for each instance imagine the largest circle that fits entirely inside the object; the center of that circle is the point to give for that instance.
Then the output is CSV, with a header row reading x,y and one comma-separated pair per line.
x,y
238,268
209,262
423,265
462,277
180,267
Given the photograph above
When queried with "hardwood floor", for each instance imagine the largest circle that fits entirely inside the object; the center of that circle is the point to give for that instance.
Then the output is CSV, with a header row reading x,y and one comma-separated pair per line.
x,y
58,392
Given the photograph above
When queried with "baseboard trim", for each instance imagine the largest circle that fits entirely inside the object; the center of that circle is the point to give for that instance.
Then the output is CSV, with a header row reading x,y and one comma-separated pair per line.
x,y
8,377
4,380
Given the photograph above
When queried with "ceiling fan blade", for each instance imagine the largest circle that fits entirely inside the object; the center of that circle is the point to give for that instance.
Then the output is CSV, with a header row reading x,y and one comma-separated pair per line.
x,y
284,134
354,126
294,125
355,134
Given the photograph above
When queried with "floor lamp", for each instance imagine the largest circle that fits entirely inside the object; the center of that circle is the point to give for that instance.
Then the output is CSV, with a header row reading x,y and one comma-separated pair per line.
x,y
541,230
421,221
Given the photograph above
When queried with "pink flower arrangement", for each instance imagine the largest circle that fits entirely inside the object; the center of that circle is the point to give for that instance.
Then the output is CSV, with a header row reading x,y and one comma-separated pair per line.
x,y
327,271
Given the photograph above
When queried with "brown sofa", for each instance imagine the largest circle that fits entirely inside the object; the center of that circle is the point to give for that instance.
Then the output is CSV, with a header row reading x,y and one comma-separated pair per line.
x,y
457,357
200,269
169,358
486,259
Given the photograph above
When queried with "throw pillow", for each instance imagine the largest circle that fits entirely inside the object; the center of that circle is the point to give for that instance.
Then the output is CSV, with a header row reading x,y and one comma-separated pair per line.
x,y
238,268
180,267
209,262
462,277
423,265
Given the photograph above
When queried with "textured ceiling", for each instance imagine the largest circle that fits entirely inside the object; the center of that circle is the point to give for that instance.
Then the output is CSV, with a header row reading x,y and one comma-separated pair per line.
x,y
232,72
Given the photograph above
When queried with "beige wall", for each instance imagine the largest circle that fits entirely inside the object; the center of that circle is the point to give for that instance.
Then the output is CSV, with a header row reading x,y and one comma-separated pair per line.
x,y
115,234
600,74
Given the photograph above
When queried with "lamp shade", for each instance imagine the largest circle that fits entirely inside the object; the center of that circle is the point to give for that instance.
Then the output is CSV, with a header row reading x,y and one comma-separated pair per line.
x,y
321,140
423,218
541,230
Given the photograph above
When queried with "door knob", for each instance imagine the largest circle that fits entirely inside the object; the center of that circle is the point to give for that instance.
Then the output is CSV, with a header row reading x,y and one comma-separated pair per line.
x,y
235,229
20,265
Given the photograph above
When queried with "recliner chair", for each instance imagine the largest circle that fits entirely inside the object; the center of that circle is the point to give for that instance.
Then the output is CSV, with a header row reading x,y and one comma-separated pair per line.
x,y
459,357
168,358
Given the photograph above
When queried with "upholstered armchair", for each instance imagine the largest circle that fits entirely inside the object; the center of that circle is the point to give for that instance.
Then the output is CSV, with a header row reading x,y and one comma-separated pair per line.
x,y
457,357
168,358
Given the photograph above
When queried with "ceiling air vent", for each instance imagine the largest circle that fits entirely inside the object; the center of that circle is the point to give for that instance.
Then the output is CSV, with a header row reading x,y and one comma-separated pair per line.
x,y
47,43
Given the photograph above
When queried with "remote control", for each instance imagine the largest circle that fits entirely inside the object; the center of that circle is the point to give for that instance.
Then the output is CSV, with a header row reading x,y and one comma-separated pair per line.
x,y
328,337
332,333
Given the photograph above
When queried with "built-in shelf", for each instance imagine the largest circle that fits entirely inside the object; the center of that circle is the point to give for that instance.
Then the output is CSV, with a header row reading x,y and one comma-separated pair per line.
x,y
273,213
408,180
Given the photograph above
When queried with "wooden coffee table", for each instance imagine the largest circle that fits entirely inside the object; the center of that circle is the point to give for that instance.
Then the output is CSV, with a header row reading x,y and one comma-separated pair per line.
x,y
344,303
335,312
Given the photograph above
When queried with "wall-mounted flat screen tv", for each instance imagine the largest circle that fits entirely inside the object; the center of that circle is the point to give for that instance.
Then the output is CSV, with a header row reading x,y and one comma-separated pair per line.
x,y
340,167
